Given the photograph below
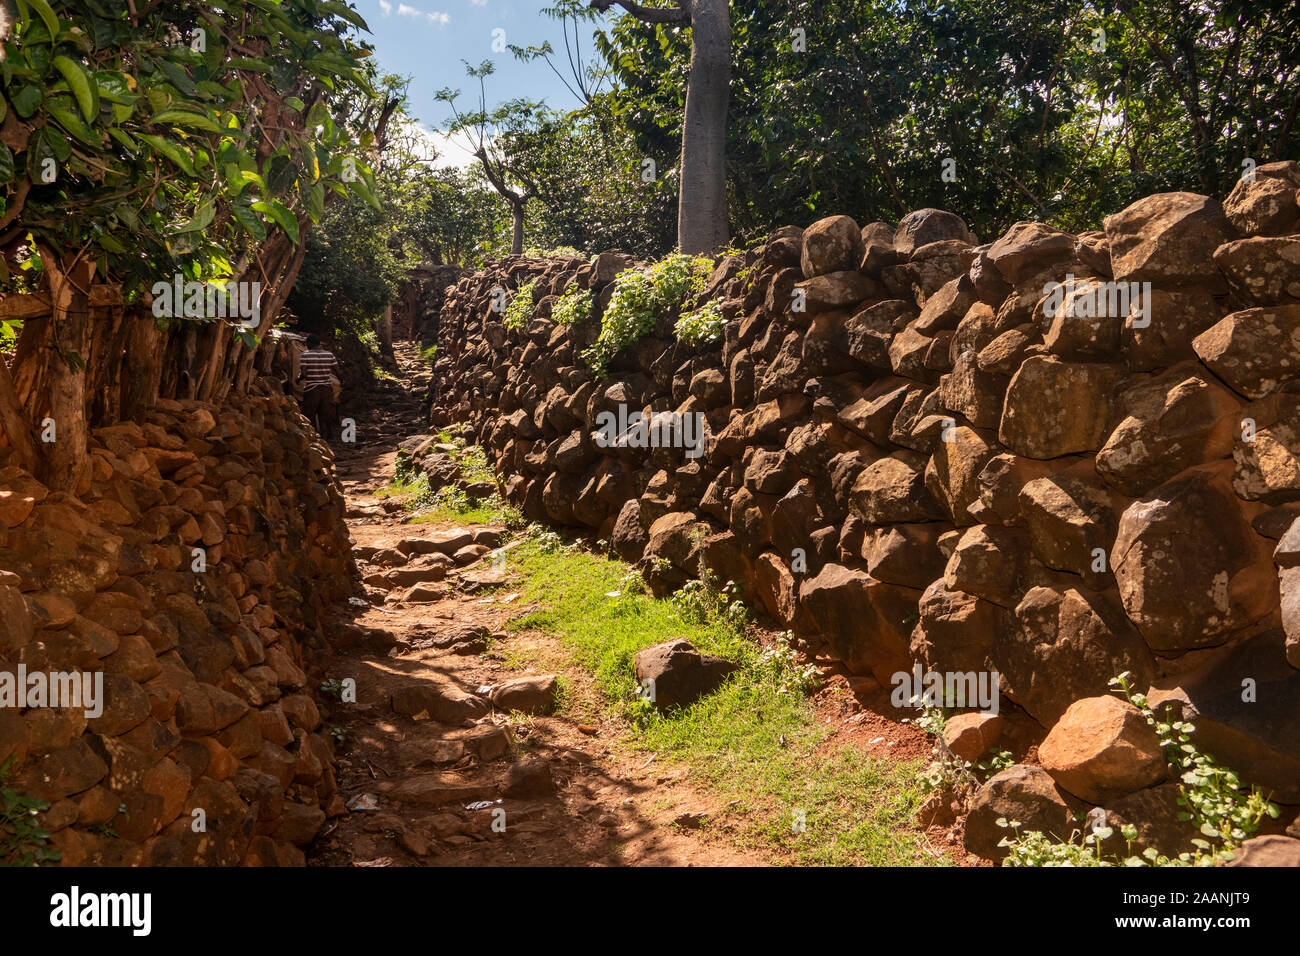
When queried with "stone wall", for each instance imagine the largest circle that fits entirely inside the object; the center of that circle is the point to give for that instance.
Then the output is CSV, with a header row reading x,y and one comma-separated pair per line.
x,y
204,653
937,461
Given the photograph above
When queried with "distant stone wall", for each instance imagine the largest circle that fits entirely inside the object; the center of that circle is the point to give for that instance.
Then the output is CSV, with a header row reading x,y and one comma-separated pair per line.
x,y
209,747
917,450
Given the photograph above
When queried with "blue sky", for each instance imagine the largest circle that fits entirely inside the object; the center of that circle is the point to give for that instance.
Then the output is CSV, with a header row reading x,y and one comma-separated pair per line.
x,y
426,40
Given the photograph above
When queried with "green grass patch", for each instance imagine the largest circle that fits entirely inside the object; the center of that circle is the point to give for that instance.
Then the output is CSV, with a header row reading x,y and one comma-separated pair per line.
x,y
755,740
449,503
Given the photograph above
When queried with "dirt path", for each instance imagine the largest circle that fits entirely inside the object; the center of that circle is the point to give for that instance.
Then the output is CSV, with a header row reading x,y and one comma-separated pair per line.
x,y
495,788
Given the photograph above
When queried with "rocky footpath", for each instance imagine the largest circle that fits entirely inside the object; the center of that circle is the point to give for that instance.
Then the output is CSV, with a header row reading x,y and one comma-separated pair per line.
x,y
191,569
1057,457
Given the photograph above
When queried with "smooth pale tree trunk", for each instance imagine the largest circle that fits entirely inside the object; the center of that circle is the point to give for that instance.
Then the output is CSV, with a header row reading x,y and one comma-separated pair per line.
x,y
702,201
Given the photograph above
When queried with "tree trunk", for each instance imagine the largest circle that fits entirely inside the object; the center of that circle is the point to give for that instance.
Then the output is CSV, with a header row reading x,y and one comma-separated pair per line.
x,y
65,357
14,423
702,201
517,238
386,331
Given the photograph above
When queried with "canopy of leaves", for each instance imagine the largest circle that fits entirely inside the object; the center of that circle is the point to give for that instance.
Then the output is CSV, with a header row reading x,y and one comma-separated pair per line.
x,y
175,139
1063,110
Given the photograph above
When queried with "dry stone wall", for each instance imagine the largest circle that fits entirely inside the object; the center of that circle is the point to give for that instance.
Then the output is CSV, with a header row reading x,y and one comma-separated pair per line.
x,y
1057,457
191,571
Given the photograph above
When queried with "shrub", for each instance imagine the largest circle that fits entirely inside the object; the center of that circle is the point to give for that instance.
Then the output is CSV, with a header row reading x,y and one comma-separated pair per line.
x,y
23,841
574,306
520,309
703,326
640,298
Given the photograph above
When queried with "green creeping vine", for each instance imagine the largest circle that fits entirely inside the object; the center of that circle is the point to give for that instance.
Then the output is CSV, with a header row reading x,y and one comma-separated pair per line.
x,y
1212,797
574,306
520,310
703,326
640,298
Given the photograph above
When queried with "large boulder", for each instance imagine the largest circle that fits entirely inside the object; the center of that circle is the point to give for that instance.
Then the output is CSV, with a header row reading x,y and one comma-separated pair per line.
x,y
1159,329
1027,247
1056,408
1071,523
1153,813
1242,701
1254,351
893,489
971,736
1102,749
1168,238
1266,204
675,674
833,244
1190,569
952,473
527,695
1021,794
866,622
629,538
1267,449
986,562
955,631
1262,270
1068,644
925,226
1268,851
1171,422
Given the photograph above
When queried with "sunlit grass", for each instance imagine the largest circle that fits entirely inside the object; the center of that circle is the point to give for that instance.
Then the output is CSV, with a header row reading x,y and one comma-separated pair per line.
x,y
754,741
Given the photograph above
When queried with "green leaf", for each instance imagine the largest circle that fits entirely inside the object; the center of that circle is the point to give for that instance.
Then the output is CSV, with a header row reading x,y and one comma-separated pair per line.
x,y
27,100
80,84
281,216
71,122
202,217
47,14
171,152
359,187
187,119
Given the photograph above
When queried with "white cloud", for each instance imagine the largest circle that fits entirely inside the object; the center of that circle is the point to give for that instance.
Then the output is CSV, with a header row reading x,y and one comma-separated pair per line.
x,y
478,3
453,151
406,10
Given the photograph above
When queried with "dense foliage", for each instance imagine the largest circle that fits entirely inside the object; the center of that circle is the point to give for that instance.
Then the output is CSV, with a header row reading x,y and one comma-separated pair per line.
x,y
1063,110
640,299
178,137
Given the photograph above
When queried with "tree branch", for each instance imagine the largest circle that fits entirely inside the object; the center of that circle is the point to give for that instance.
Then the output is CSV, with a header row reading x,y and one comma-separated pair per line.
x,y
678,14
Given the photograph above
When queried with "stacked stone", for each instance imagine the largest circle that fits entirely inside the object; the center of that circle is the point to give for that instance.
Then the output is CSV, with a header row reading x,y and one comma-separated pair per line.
x,y
191,568
918,450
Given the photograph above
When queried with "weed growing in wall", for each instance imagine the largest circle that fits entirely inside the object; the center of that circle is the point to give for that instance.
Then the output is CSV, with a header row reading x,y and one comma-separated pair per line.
x,y
574,306
520,309
703,326
1213,799
22,839
640,298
